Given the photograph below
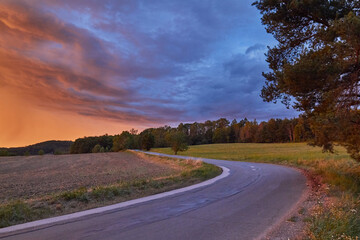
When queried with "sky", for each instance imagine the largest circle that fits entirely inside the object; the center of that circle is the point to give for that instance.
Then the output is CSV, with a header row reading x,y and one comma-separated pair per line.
x,y
74,68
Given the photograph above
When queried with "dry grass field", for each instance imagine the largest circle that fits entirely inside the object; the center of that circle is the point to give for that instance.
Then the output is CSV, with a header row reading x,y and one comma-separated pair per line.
x,y
36,176
37,187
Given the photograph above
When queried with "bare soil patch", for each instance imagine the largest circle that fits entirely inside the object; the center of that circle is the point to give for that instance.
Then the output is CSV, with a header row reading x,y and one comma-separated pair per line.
x,y
36,176
37,187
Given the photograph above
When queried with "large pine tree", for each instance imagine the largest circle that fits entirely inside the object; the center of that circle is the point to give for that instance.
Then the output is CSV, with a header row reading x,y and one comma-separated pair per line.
x,y
316,65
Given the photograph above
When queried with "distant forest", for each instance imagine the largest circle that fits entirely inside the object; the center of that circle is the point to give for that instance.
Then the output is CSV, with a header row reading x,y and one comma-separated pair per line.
x,y
219,131
48,147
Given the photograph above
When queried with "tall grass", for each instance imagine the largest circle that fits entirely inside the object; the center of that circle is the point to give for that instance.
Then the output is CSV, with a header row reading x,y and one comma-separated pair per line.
x,y
19,212
338,220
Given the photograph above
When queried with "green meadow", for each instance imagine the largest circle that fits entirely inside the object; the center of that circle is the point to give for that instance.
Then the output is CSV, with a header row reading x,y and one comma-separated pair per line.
x,y
338,220
260,152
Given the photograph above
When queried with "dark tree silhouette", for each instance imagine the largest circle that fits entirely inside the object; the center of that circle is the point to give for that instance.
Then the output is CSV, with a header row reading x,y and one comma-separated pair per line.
x,y
147,140
316,65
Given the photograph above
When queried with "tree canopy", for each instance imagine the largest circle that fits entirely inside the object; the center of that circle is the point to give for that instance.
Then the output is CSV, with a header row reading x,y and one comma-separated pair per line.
x,y
177,141
147,140
218,131
315,66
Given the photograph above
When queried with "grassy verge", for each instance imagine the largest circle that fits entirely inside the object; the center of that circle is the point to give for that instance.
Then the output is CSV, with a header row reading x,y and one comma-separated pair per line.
x,y
335,216
30,209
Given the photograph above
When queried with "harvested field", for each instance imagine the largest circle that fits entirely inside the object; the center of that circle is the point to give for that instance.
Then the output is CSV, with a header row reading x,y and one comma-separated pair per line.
x,y
35,176
37,187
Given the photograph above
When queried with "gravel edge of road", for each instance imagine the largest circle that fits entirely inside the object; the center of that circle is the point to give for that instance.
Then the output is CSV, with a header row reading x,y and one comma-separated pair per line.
x,y
284,229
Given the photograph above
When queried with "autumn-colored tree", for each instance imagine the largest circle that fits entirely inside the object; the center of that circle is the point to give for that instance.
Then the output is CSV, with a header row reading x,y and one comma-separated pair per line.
x,y
316,65
249,131
302,131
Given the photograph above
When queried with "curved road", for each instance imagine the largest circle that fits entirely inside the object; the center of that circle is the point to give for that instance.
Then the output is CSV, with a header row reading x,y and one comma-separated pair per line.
x,y
244,205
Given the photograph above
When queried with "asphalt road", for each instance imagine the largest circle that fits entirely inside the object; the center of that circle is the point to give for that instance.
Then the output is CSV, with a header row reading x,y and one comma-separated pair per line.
x,y
243,205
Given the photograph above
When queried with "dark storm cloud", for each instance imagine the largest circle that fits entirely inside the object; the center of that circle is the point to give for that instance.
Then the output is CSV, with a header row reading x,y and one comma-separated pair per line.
x,y
255,48
137,61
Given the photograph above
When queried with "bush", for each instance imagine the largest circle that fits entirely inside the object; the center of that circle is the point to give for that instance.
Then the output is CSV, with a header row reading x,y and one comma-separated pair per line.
x,y
78,194
41,152
4,152
57,152
96,149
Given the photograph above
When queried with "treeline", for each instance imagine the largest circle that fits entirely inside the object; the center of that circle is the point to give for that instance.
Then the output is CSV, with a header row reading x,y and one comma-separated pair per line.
x,y
243,131
48,147
219,131
107,143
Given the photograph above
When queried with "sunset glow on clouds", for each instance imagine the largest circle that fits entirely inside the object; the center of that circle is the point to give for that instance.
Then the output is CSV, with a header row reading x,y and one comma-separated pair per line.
x,y
75,68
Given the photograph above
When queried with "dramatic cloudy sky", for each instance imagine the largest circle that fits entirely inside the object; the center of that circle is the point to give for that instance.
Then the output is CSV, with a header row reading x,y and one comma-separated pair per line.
x,y
70,68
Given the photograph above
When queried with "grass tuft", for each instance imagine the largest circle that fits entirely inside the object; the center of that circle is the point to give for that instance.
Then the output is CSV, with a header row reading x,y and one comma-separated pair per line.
x,y
15,212
78,194
207,171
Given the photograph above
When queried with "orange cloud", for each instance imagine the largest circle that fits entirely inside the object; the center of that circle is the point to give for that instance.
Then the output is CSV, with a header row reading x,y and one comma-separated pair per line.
x,y
60,66
55,81
47,82
22,123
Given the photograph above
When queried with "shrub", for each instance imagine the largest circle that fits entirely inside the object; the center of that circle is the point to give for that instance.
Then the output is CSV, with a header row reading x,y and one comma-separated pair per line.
x,y
4,152
79,194
96,149
57,152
